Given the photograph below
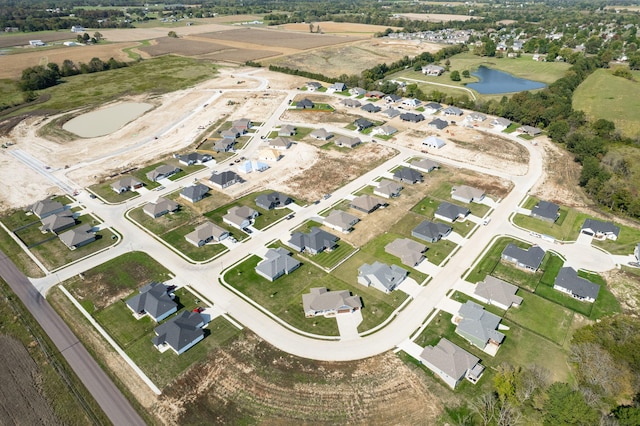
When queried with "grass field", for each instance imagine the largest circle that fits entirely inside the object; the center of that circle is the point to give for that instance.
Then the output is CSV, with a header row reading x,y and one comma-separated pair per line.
x,y
566,228
626,243
603,95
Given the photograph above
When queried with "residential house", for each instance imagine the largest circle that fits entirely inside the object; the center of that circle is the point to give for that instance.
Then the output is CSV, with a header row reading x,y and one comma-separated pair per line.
x,y
392,98
180,333
529,259
194,193
362,124
357,91
312,86
162,172
194,158
314,242
276,263
433,142
375,94
243,124
224,179
501,123
432,70
431,232
46,207
347,141
161,207
280,143
125,184
287,130
154,301
366,203
424,165
546,211
351,103
391,113
568,281
410,252
475,117
337,87
451,363
231,133
529,130
381,276
272,200
387,189
240,216
451,212
305,104
269,155
57,222
494,291
224,145
438,124
206,233
467,194
432,107
453,111
407,175
77,29
479,327
411,103
411,117
600,230
78,237
384,131
370,108
319,301
340,221
321,134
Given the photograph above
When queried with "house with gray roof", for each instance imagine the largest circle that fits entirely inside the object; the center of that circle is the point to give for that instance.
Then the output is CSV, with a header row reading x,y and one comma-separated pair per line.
x,y
128,183
194,193
224,145
280,143
392,98
370,108
351,103
313,86
424,165
467,194
381,276
433,70
478,326
451,212
240,216
600,230
162,172
384,131
194,158
180,333
58,222
438,124
206,233
357,91
501,123
320,301
362,124
411,117
229,136
46,207
544,210
431,232
272,200
432,107
161,207
340,221
287,130
433,142
451,363
337,87
568,281
453,111
154,301
366,203
529,130
494,291
391,112
347,141
276,263
313,242
410,252
475,117
388,189
305,104
78,237
224,179
321,134
407,175
529,259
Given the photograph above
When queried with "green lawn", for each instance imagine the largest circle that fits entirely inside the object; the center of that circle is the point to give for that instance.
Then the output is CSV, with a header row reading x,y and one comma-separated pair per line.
x,y
626,243
329,259
566,228
491,259
176,238
104,191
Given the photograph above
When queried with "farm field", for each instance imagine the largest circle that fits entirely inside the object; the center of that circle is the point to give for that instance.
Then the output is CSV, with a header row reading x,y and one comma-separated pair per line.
x,y
436,17
277,38
603,95
180,46
330,27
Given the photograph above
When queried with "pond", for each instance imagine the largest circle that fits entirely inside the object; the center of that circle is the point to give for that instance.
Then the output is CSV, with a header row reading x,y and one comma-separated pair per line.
x,y
493,82
107,120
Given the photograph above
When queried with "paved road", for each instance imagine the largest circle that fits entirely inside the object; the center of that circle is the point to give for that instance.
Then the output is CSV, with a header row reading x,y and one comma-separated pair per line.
x,y
108,396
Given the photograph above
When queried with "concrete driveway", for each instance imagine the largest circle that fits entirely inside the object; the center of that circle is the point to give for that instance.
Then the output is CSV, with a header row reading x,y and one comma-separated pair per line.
x,y
409,286
455,238
348,325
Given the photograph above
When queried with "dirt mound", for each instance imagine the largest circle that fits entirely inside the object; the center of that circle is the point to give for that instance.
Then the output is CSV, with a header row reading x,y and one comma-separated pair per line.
x,y
252,380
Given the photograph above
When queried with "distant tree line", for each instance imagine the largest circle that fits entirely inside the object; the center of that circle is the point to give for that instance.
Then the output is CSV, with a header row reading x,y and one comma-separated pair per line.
x,y
40,77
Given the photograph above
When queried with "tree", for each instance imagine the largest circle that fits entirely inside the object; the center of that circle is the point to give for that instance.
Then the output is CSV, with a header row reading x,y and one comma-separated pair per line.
x,y
455,75
485,407
466,74
97,36
566,406
172,34
311,27
85,37
37,78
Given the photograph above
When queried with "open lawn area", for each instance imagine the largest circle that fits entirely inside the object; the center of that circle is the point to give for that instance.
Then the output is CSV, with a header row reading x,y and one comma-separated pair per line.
x,y
566,228
329,259
626,243
603,95
104,191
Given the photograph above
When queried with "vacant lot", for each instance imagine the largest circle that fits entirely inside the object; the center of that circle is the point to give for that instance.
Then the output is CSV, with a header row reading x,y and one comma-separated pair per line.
x,y
330,27
278,38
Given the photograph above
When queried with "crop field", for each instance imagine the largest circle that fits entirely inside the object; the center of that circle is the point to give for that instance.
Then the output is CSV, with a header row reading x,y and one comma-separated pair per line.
x,y
181,46
276,38
241,55
603,95
330,27
21,39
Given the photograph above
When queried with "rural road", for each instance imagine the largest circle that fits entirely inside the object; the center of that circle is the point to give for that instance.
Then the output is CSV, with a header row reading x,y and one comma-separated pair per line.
x,y
107,395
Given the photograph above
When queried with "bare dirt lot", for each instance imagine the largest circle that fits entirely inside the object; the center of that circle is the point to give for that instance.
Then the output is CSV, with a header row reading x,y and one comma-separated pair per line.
x,y
330,27
20,399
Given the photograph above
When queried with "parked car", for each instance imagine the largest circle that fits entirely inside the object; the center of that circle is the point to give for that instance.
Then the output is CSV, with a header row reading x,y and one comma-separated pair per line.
x,y
247,230
326,196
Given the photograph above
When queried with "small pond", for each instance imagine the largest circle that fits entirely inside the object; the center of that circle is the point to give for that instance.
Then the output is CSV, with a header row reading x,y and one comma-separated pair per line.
x,y
107,120
493,82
